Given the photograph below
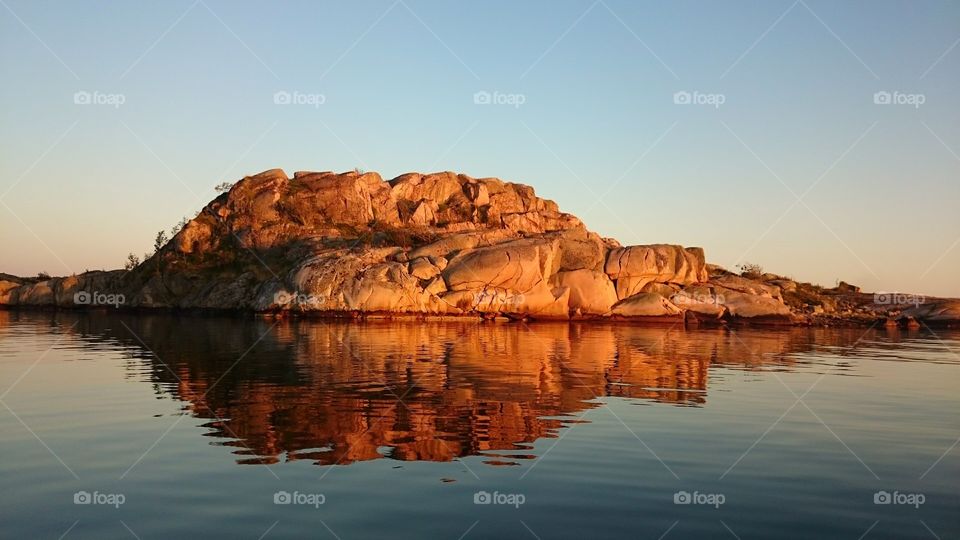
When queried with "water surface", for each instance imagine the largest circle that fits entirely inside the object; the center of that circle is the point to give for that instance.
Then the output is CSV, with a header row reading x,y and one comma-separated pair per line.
x,y
199,424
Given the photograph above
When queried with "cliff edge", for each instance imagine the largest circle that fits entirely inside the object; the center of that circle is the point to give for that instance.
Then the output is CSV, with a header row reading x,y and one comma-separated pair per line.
x,y
442,244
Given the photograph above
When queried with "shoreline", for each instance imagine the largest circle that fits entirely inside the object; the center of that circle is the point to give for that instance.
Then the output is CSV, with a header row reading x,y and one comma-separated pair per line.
x,y
683,322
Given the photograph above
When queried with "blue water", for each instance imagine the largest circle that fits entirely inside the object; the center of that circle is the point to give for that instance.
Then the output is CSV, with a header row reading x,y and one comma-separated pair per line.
x,y
190,427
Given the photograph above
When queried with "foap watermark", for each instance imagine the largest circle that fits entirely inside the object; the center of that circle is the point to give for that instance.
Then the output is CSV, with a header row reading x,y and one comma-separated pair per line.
x,y
83,97
499,98
907,499
282,97
97,498
707,499
684,97
508,499
284,298
495,297
303,499
690,298
899,98
97,298
897,299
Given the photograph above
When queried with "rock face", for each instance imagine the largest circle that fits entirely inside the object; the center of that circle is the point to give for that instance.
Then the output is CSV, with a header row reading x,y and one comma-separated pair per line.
x,y
936,311
440,244
634,267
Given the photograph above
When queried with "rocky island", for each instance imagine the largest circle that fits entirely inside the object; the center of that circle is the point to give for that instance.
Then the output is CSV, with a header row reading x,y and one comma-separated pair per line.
x,y
444,245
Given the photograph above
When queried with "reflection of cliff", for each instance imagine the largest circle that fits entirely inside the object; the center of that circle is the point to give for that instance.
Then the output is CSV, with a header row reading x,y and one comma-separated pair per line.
x,y
328,391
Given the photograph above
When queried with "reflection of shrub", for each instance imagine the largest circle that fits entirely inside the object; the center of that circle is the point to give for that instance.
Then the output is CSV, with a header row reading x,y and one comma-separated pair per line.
x,y
750,270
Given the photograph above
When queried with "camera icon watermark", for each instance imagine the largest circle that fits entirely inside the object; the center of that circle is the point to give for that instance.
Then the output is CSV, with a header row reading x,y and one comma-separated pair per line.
x,y
96,298
508,499
884,97
284,298
689,298
497,297
83,97
684,97
96,498
897,299
707,499
303,499
282,97
498,98
908,499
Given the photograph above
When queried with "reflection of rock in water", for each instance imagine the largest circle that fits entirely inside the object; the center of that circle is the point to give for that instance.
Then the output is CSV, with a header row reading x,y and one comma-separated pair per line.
x,y
328,392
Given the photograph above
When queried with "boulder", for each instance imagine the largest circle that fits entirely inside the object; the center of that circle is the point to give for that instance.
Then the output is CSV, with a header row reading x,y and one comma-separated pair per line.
x,y
541,301
437,187
634,267
451,244
702,300
646,305
580,249
517,265
591,292
41,293
9,292
845,287
663,289
786,285
936,311
746,305
747,286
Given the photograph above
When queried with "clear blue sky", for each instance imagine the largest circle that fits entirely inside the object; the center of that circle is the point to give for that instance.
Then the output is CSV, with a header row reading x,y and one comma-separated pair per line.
x,y
598,130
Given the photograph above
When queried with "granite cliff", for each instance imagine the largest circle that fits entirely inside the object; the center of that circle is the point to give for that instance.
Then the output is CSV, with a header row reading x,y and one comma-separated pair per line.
x,y
437,245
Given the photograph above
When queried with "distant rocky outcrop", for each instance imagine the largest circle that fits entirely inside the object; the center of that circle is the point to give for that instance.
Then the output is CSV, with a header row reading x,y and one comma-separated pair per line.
x,y
437,245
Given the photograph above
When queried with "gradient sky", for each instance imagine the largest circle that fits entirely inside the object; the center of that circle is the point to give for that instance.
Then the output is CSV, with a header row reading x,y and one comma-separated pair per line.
x,y
599,132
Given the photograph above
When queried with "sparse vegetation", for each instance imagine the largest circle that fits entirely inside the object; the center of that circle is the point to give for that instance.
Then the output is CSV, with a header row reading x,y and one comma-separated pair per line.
x,y
223,187
179,226
160,241
403,237
750,270
132,262
43,276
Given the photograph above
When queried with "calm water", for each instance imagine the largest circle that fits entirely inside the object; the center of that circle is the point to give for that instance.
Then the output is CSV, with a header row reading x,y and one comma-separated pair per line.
x,y
192,427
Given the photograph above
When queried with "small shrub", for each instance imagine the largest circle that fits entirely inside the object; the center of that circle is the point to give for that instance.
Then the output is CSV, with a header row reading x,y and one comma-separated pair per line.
x,y
160,241
750,270
132,262
179,226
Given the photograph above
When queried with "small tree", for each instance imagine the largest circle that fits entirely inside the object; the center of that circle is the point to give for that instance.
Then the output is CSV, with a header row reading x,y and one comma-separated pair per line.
x,y
132,262
43,276
223,187
159,241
